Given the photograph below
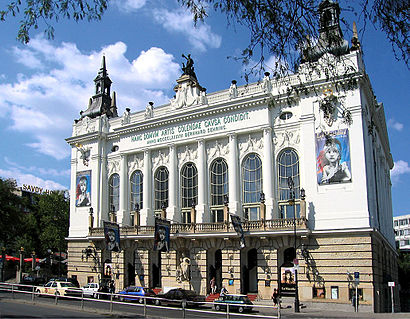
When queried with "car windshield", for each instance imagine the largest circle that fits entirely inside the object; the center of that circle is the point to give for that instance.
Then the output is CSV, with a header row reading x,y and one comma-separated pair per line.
x,y
66,284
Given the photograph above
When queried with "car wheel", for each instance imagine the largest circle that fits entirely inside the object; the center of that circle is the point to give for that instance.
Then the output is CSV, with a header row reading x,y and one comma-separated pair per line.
x,y
217,307
141,300
95,296
121,299
38,294
241,309
157,302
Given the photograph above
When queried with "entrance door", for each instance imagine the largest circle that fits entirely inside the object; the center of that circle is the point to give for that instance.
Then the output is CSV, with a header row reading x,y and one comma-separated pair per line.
x,y
218,270
249,271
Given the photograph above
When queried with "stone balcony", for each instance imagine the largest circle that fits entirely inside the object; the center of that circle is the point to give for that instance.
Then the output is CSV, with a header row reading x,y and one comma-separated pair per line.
x,y
249,227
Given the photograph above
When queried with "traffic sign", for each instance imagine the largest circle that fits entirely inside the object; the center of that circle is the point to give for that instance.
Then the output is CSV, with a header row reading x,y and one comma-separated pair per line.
x,y
356,277
391,283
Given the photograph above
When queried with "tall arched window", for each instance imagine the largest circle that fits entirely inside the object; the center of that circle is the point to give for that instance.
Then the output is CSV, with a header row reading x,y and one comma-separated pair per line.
x,y
219,189
161,188
114,193
189,190
288,166
136,189
251,185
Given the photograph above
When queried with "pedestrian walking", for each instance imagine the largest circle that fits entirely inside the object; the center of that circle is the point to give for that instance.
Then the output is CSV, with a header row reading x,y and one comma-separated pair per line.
x,y
275,297
213,285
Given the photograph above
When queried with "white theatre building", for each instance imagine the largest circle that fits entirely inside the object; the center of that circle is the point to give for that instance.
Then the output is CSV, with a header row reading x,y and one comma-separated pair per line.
x,y
206,156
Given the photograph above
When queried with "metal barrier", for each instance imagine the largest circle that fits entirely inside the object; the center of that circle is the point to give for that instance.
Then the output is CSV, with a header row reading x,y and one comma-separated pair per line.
x,y
113,299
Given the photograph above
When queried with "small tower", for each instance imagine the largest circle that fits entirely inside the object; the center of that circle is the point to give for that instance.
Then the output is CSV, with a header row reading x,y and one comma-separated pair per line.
x,y
101,102
330,34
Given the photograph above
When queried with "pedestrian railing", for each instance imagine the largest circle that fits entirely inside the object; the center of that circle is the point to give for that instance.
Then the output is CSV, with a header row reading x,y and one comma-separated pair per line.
x,y
258,311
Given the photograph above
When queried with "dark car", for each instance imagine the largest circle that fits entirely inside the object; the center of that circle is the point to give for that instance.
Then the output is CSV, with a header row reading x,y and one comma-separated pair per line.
x,y
134,293
238,303
176,296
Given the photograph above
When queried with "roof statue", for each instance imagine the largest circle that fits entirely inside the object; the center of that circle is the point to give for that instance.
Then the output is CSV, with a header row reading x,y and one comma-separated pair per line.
x,y
101,102
188,68
188,91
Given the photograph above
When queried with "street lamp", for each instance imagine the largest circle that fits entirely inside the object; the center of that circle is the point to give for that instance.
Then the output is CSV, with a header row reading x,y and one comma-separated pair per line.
x,y
292,203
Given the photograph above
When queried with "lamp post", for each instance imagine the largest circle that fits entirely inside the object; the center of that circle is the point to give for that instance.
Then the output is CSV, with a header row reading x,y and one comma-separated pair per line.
x,y
292,203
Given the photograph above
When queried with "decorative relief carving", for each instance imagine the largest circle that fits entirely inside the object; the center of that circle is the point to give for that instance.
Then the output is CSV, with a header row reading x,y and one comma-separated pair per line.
x,y
160,159
86,126
135,162
287,138
105,124
126,117
113,166
187,155
217,149
251,144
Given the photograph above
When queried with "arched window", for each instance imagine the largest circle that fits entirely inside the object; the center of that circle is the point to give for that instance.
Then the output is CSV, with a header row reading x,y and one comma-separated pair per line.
x,y
288,166
219,189
251,185
189,190
136,189
114,193
161,188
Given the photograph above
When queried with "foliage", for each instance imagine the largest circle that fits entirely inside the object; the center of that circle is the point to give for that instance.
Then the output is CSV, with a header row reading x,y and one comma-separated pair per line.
x,y
10,212
404,269
283,27
34,222
34,12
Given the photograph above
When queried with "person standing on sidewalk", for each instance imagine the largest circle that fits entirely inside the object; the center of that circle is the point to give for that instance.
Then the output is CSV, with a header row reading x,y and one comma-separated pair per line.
x,y
275,297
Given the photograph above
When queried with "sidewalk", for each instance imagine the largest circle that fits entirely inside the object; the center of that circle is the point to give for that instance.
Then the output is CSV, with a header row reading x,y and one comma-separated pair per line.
x,y
328,310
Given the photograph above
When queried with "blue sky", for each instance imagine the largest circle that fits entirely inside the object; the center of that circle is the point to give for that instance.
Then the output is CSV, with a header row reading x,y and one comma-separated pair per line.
x,y
45,84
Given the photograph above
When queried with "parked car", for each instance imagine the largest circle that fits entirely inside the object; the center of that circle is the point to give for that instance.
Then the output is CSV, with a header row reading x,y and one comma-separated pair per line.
x,y
57,288
72,280
174,297
133,293
238,303
91,289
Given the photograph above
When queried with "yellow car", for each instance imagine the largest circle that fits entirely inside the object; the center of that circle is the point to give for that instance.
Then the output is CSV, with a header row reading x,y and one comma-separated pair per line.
x,y
55,288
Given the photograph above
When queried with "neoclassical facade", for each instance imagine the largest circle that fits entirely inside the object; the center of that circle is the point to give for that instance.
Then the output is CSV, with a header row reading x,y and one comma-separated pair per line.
x,y
304,161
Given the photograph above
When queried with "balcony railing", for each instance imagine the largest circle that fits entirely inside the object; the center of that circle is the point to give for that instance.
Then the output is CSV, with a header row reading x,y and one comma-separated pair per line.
x,y
201,228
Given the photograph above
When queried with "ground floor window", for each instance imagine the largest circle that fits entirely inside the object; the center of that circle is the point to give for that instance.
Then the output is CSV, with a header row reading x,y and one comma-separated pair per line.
x,y
319,292
334,292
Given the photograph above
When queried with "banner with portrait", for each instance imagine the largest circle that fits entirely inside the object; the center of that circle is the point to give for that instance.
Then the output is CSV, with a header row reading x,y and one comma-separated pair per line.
x,y
83,189
237,225
108,269
287,279
333,157
112,236
162,234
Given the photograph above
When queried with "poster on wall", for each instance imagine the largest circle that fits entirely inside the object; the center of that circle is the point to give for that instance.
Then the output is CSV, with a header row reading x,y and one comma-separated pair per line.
x,y
112,236
161,236
287,281
333,157
83,189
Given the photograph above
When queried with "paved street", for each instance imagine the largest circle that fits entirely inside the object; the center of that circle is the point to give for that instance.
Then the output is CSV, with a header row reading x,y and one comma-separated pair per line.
x,y
21,306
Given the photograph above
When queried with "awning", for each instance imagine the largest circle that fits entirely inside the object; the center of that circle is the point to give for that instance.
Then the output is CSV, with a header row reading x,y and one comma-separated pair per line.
x,y
31,260
10,258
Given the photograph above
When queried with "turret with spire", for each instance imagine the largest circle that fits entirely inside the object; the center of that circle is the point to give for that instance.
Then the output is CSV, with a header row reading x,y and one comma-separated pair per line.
x,y
101,102
330,34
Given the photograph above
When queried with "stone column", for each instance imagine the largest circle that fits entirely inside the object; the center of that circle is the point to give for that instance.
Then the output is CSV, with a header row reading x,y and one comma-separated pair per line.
x,y
123,212
202,184
173,178
267,169
234,183
146,213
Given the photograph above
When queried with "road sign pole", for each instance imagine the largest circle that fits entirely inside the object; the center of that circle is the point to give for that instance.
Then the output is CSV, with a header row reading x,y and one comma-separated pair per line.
x,y
392,299
356,306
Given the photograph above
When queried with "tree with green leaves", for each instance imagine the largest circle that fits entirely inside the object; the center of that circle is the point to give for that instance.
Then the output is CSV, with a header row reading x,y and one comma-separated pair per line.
x,y
11,214
281,28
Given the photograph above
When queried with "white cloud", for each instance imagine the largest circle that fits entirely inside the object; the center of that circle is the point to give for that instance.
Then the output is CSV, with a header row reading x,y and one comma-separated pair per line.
x,y
34,169
129,5
29,179
43,105
400,168
395,125
180,20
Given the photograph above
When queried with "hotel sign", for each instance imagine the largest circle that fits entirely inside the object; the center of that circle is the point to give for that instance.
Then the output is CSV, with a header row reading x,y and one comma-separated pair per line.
x,y
35,189
191,129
